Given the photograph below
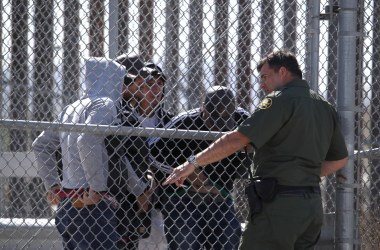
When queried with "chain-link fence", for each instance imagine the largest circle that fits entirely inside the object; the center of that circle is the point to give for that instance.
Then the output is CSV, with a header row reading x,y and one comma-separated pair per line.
x,y
195,45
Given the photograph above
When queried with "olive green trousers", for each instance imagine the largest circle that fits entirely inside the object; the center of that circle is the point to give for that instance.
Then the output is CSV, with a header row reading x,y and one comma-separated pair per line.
x,y
290,222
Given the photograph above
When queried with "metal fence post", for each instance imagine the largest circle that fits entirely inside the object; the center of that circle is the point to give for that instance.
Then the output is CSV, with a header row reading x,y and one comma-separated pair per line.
x,y
345,216
113,30
312,57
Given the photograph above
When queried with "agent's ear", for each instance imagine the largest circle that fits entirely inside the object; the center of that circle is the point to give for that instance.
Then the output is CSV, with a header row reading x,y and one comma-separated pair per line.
x,y
284,73
283,70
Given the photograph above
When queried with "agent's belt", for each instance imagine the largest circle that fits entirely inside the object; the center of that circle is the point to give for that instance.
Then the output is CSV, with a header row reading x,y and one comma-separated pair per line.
x,y
298,189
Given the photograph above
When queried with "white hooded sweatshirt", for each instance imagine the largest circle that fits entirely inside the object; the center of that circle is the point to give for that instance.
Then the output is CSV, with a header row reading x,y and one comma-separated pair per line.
x,y
84,157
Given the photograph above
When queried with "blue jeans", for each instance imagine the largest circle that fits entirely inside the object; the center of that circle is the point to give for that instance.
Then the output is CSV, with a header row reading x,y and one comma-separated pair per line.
x,y
92,227
192,226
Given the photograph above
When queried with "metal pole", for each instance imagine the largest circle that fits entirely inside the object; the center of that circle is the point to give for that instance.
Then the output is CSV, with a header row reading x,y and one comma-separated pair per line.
x,y
113,29
312,64
172,56
345,217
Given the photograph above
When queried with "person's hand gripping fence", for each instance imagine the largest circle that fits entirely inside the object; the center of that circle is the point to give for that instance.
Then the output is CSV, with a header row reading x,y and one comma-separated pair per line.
x,y
144,199
52,195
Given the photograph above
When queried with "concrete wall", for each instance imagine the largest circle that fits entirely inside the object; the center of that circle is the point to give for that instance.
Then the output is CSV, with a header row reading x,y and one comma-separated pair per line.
x,y
33,238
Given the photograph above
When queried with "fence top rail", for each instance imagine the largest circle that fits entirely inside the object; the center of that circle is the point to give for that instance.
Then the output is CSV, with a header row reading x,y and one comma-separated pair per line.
x,y
133,131
109,129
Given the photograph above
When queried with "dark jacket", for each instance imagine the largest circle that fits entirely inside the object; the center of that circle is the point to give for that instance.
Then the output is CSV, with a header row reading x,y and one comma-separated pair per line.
x,y
136,150
173,152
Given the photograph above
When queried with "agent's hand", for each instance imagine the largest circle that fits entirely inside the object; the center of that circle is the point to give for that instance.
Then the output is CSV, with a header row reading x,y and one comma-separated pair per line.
x,y
179,174
52,195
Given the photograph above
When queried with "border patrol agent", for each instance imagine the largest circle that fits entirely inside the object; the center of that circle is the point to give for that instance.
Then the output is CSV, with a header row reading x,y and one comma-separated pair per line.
x,y
296,137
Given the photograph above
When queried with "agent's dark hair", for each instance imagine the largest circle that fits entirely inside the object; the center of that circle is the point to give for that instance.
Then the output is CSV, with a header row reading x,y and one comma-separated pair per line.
x,y
281,58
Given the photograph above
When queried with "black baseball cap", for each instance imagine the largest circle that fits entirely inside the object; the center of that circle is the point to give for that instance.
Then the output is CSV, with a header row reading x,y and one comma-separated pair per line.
x,y
155,70
135,67
148,72
133,63
220,105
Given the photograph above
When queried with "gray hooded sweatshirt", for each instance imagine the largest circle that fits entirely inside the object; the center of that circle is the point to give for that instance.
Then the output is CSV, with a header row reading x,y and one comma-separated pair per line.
x,y
84,157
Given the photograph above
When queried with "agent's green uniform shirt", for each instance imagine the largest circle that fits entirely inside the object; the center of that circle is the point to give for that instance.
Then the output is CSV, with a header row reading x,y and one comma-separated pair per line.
x,y
293,130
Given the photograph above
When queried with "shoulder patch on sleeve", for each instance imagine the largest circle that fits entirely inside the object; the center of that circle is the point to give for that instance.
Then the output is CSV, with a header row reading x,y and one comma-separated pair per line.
x,y
266,103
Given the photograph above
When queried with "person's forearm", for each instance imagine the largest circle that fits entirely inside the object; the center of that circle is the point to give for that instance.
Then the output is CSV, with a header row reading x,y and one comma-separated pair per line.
x,y
330,167
92,153
44,148
222,148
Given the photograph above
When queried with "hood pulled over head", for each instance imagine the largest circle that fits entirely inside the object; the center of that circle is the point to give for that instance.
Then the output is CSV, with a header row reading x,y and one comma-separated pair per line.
x,y
103,78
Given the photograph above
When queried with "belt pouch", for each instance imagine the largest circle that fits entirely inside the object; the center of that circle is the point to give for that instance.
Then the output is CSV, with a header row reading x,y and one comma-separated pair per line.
x,y
266,188
254,201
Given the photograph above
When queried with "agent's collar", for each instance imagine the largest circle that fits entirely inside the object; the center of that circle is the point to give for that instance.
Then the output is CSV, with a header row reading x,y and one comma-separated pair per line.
x,y
294,83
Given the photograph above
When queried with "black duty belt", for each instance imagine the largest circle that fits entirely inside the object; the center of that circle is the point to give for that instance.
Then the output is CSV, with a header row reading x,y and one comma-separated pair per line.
x,y
298,189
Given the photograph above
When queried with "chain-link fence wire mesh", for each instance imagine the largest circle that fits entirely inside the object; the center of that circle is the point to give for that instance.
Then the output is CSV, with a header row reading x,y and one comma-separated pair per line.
x,y
198,44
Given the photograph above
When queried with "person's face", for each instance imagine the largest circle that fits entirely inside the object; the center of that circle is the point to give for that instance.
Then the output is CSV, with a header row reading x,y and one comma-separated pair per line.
x,y
270,79
148,91
154,88
210,121
131,90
